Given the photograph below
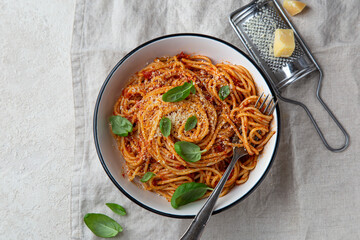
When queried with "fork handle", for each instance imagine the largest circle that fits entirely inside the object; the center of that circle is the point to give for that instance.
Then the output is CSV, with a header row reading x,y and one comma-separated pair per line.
x,y
197,226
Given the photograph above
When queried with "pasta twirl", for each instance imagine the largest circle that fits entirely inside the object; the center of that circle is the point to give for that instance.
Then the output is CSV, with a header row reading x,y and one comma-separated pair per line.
x,y
145,149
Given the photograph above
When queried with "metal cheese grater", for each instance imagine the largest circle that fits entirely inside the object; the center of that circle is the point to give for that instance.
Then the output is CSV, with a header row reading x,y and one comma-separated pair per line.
x,y
255,25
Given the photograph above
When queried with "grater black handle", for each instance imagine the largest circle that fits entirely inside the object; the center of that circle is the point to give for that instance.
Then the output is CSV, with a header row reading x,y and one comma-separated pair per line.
x,y
346,142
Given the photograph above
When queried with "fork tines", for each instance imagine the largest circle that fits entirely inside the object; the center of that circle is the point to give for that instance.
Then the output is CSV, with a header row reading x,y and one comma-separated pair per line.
x,y
263,104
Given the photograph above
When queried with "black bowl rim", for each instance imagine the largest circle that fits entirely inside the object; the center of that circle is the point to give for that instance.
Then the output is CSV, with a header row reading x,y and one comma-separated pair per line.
x,y
97,107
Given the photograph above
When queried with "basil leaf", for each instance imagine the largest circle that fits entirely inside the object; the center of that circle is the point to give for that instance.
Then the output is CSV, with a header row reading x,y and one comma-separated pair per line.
x,y
120,125
187,193
116,208
190,152
190,123
147,176
102,225
224,92
178,93
165,126
193,89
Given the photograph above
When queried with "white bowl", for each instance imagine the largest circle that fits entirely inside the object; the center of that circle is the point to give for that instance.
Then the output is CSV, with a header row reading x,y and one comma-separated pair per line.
x,y
111,158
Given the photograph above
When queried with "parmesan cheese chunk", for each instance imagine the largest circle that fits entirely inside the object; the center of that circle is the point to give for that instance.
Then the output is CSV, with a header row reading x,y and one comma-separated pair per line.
x,y
293,7
284,43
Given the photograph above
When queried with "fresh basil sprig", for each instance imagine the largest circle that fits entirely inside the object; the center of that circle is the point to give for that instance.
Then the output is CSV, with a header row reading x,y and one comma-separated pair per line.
x,y
190,152
224,92
165,126
120,125
116,208
179,93
190,123
102,225
147,176
187,193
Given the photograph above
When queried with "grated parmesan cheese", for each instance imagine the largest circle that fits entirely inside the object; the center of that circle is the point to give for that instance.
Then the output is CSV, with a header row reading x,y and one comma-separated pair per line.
x,y
178,117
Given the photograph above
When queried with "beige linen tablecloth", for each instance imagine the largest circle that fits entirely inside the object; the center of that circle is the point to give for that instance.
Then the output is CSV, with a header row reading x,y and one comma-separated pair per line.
x,y
309,193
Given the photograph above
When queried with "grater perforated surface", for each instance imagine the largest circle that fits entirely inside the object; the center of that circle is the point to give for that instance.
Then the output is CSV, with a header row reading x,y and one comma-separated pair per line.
x,y
261,28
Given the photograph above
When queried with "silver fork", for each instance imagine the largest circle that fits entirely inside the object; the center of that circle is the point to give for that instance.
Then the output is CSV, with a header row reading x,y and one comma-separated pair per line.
x,y
198,224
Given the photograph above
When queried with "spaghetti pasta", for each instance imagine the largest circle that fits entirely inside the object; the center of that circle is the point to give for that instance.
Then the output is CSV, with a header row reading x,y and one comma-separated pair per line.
x,y
145,149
